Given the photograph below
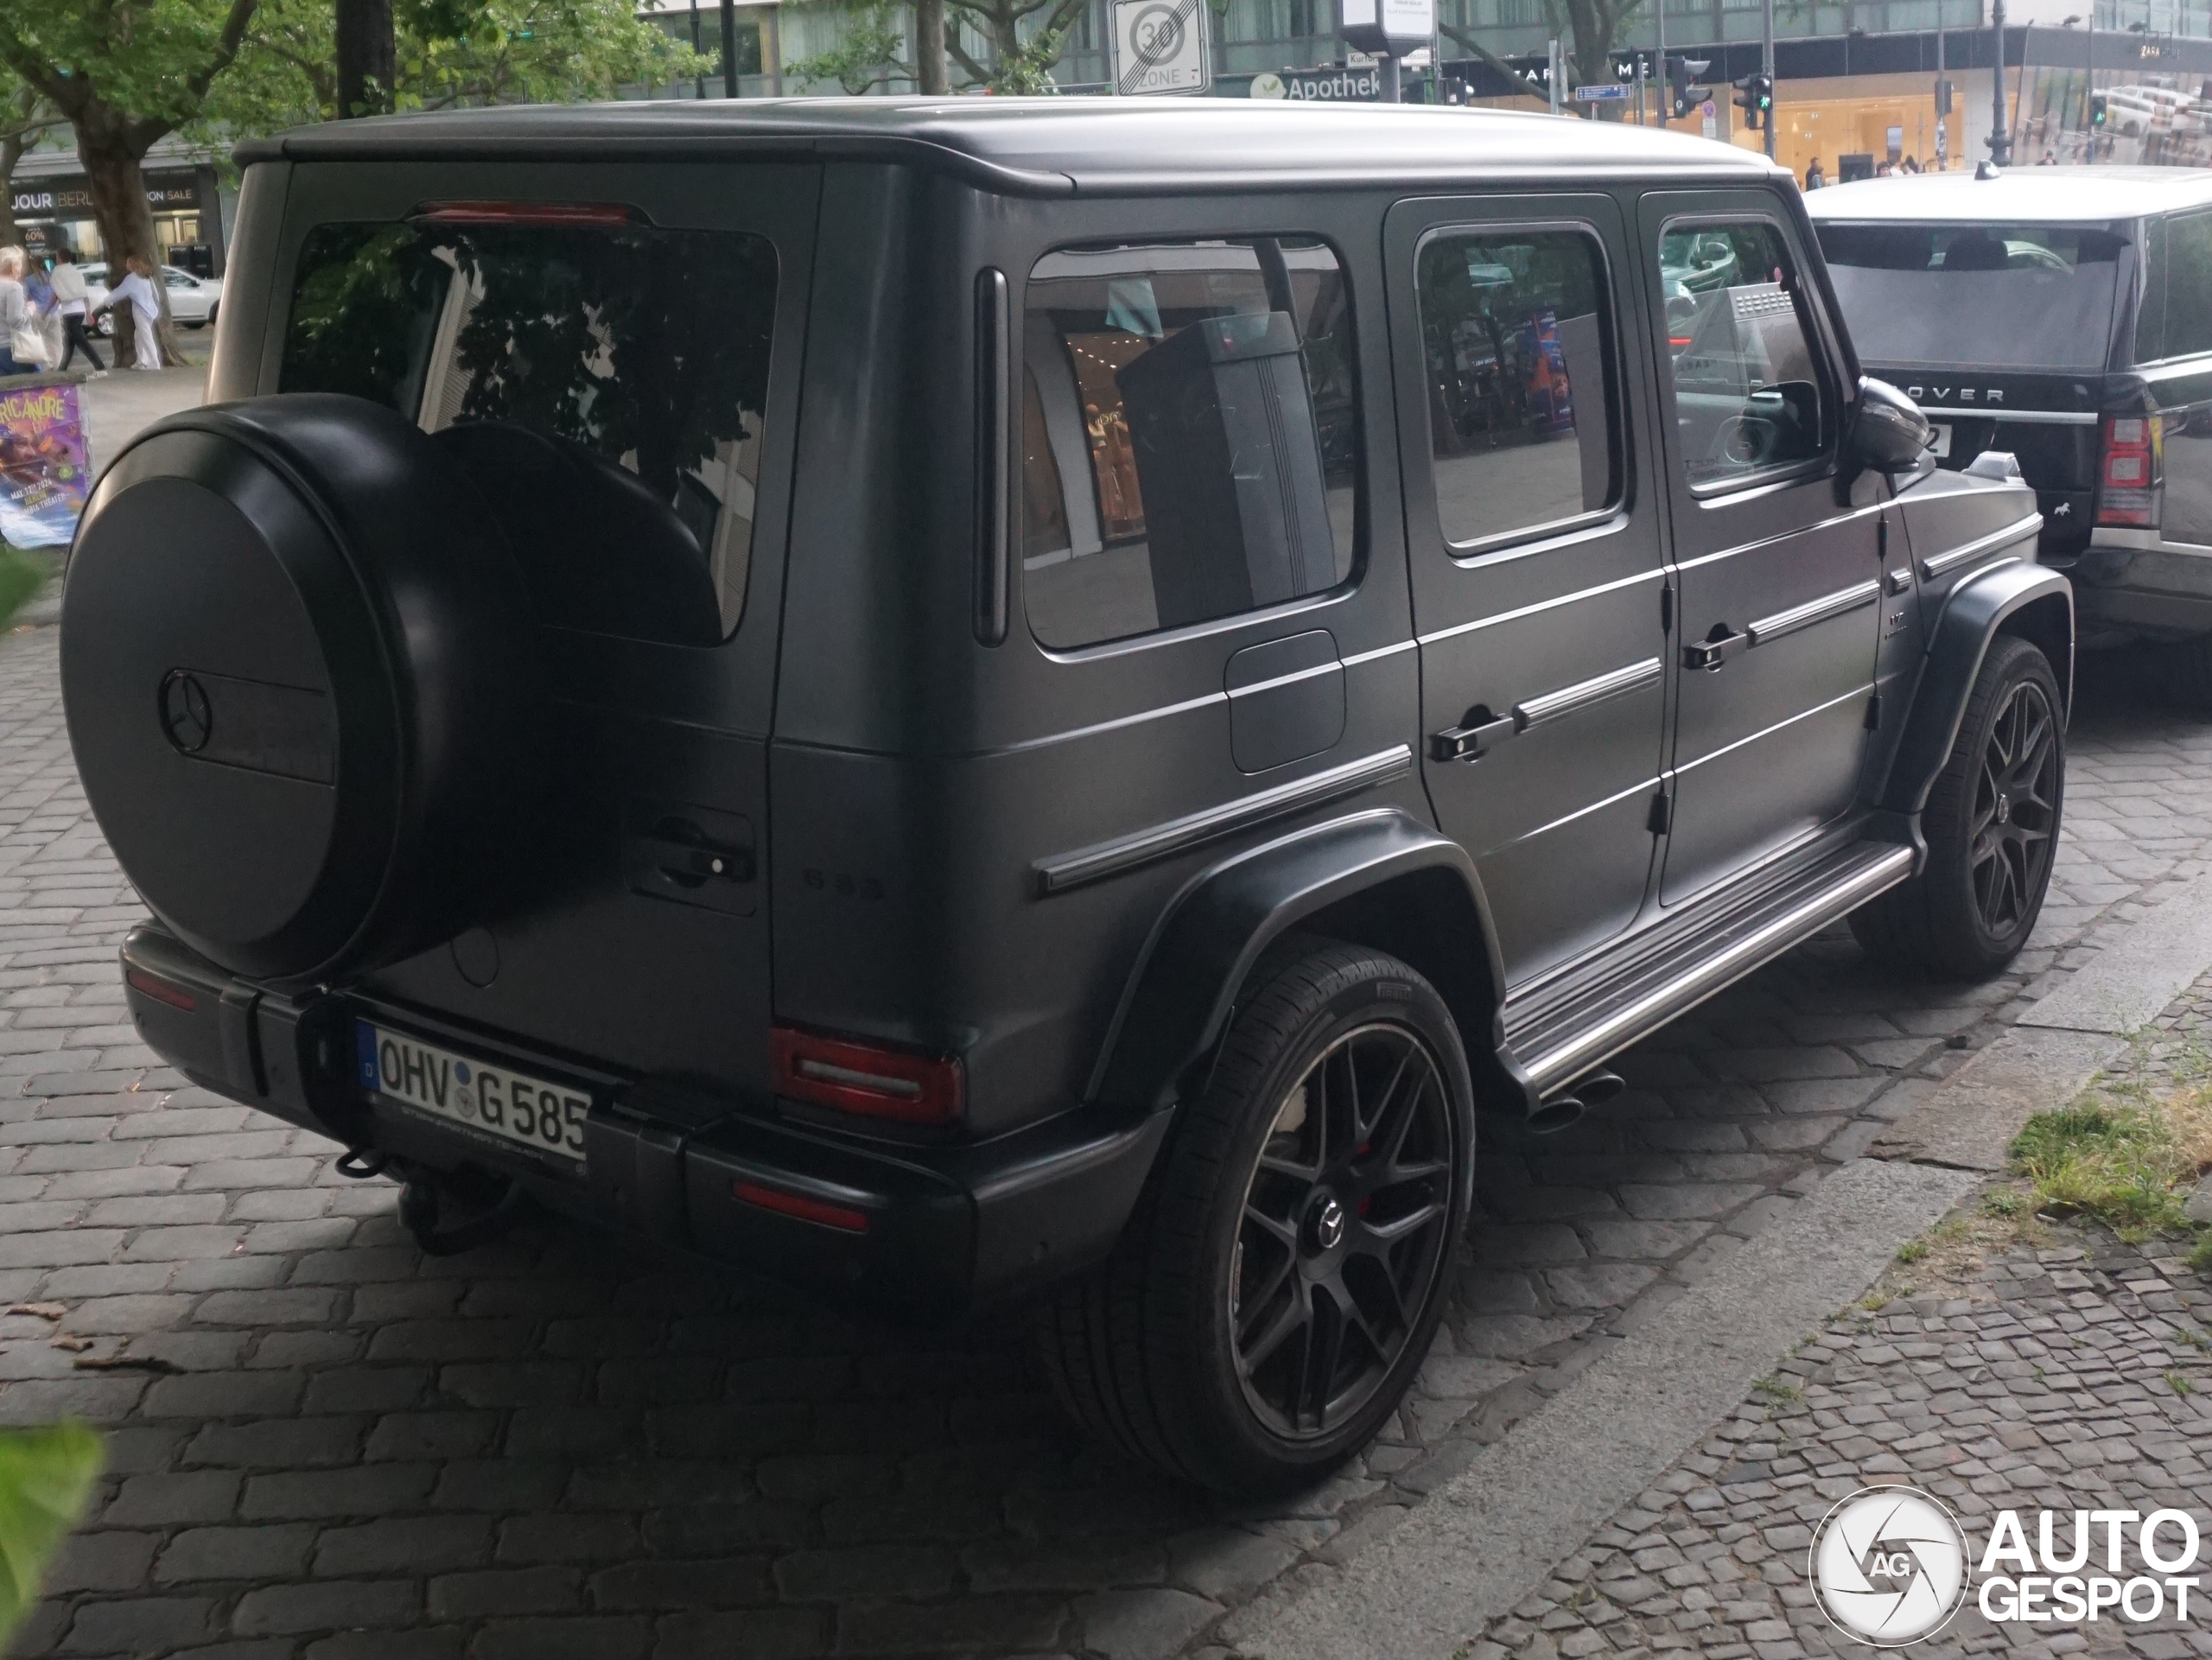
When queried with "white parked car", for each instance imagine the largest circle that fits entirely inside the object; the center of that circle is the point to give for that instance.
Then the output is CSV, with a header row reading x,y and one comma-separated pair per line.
x,y
193,300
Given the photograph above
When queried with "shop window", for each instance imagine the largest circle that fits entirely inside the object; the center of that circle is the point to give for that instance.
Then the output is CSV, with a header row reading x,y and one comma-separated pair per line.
x,y
1190,435
1745,386
1524,425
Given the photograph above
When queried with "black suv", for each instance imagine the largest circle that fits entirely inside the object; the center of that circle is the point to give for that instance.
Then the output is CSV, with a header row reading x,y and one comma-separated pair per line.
x,y
967,701
2063,315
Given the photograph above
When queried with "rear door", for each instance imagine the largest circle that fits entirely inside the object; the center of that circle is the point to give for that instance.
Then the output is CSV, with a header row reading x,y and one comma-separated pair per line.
x,y
1534,532
611,353
1779,580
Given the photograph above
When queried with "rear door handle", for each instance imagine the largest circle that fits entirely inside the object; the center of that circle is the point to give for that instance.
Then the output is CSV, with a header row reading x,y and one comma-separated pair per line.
x,y
1472,738
1713,650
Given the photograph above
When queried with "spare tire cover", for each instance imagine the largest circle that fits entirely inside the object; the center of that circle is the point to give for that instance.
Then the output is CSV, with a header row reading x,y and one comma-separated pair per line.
x,y
294,662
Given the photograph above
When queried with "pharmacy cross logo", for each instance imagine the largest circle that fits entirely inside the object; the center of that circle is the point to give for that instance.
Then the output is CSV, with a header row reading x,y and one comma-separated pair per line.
x,y
1889,1565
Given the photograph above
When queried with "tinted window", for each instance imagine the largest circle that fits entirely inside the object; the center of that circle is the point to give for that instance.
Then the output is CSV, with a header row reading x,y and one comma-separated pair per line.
x,y
2003,296
2177,320
1745,386
1521,415
603,385
1190,435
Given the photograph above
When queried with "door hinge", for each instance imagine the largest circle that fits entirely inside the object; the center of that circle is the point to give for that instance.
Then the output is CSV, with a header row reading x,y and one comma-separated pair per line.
x,y
1666,607
1882,539
1661,819
1874,713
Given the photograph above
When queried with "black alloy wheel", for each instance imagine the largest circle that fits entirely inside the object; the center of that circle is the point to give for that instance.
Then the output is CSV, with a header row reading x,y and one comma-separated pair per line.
x,y
1991,822
2016,811
1280,1279
1342,1228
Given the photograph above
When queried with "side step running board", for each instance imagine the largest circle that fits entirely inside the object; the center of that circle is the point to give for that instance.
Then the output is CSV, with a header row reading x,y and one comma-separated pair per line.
x,y
1560,1040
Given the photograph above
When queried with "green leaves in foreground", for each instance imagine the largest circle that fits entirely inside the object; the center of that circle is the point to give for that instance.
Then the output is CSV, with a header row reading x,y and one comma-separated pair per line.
x,y
45,1476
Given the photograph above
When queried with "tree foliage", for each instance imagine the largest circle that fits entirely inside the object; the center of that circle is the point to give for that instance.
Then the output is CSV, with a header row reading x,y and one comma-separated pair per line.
x,y
867,54
451,52
1022,41
45,1476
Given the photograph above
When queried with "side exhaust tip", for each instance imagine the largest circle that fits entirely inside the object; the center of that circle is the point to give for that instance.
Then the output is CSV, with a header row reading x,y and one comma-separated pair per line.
x,y
1591,1089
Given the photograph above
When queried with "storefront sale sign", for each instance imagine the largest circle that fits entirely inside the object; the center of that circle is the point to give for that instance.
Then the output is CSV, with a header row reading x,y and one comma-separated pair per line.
x,y
45,465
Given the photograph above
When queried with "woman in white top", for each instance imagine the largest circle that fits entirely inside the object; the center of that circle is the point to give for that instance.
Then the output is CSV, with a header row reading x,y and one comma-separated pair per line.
x,y
15,310
136,290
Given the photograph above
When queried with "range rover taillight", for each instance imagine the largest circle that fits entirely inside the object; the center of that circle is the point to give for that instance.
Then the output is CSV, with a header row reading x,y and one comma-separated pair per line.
x,y
2127,473
868,1079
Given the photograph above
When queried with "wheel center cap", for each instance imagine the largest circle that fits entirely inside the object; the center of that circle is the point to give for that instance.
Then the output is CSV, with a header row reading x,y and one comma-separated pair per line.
x,y
2003,809
1328,1225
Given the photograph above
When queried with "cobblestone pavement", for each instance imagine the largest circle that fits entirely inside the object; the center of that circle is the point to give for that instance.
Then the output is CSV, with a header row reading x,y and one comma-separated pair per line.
x,y
325,1445
2075,1376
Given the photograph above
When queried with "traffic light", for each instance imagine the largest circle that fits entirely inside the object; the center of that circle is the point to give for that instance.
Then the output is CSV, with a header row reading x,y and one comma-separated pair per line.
x,y
1944,97
1755,98
2099,114
1681,83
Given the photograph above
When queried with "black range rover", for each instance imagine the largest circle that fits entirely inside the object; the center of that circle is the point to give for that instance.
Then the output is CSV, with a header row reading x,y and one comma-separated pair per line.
x,y
2064,314
984,701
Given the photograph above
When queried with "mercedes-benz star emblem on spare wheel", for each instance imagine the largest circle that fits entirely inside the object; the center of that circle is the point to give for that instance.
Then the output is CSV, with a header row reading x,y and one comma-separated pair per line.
x,y
185,717
1889,1565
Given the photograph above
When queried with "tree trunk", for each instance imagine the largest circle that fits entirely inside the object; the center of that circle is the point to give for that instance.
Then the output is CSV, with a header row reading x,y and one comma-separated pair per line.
x,y
11,151
930,78
109,149
367,58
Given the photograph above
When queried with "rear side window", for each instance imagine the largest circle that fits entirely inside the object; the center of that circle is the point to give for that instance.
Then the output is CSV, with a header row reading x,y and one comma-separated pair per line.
x,y
1744,380
1190,435
602,382
1523,428
2177,320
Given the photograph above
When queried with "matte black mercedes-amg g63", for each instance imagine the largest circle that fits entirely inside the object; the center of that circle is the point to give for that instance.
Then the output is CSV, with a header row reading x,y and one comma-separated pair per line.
x,y
976,701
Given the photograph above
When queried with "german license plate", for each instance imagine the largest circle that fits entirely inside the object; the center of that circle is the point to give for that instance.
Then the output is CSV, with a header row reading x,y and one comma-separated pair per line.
x,y
1942,447
473,1094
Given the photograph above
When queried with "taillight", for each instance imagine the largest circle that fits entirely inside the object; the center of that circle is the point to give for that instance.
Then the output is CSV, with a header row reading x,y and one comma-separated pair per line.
x,y
867,1079
160,991
2127,475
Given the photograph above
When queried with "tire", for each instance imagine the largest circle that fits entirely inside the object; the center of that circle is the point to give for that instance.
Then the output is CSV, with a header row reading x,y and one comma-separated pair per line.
x,y
2185,674
1991,822
1216,1342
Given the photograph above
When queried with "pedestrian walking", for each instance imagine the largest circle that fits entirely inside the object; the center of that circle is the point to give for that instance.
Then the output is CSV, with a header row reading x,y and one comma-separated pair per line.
x,y
72,299
1815,178
136,291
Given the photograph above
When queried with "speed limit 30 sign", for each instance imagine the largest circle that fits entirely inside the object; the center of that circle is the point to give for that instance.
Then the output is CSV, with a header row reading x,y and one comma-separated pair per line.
x,y
1161,47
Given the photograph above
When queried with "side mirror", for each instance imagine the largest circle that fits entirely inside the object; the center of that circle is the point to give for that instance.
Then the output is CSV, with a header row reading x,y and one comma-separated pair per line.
x,y
1888,431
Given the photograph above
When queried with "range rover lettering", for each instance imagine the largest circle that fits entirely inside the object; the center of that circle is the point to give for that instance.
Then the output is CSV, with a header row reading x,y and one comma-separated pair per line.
x,y
997,704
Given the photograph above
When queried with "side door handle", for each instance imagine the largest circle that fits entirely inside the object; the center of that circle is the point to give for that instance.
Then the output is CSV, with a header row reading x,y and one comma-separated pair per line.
x,y
1472,737
1714,649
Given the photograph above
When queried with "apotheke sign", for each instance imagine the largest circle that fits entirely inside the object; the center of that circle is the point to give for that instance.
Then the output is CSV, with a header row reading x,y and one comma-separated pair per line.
x,y
1320,86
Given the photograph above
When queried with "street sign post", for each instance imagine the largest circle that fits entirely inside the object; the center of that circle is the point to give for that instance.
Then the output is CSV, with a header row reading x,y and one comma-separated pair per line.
x,y
1161,47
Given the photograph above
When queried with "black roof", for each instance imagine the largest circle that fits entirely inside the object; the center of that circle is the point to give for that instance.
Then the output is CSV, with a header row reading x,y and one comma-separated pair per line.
x,y
1052,145
2016,195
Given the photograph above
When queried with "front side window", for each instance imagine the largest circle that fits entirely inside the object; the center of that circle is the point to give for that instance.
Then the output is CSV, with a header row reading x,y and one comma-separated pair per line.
x,y
1523,427
601,382
1982,296
1190,434
1743,381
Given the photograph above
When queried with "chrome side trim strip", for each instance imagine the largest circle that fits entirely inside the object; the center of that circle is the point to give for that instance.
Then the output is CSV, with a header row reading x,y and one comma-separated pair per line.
x,y
1664,1002
2018,530
1812,610
1998,412
1583,693
1094,863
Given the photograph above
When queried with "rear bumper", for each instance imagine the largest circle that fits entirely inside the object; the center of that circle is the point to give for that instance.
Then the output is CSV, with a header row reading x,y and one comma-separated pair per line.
x,y
2152,591
941,1231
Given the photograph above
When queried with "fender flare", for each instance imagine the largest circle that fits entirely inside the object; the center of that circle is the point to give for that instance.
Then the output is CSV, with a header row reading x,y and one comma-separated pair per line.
x,y
1976,611
1183,989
